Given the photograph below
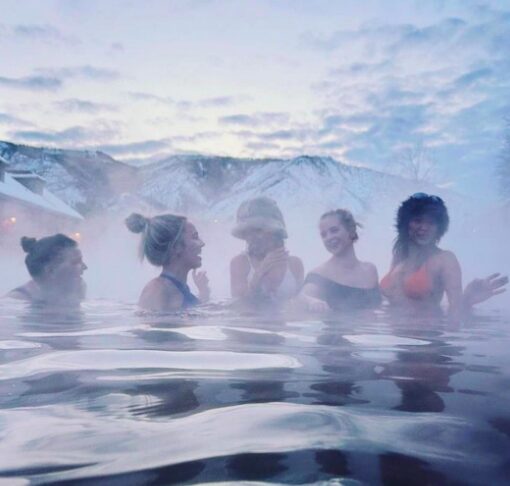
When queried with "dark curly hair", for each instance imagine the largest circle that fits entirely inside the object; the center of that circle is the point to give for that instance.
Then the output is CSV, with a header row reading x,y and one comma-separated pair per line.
x,y
417,205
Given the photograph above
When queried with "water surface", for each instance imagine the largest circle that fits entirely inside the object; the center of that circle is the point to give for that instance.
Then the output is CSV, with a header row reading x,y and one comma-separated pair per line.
x,y
111,396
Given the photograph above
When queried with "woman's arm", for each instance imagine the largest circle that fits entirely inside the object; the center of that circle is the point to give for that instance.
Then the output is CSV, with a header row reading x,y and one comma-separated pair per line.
x,y
452,279
239,270
298,270
311,298
477,291
482,289
201,281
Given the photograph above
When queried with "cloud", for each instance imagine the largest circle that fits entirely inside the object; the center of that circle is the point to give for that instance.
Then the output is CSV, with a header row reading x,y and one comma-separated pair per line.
x,y
262,146
472,77
195,137
255,120
117,46
143,147
38,33
444,85
6,119
215,102
341,38
85,72
69,136
52,79
82,106
33,83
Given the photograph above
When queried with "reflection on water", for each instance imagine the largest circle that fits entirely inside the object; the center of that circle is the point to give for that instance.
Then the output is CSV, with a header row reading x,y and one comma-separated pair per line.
x,y
108,395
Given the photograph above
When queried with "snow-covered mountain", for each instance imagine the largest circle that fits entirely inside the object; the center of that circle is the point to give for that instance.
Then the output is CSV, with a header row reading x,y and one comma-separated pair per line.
x,y
205,185
217,185
85,180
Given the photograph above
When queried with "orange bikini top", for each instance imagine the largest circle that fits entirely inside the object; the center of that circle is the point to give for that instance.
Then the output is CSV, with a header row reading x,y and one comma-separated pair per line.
x,y
418,285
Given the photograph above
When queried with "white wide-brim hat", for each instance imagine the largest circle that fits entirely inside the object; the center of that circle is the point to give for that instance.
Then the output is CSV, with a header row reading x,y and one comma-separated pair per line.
x,y
259,213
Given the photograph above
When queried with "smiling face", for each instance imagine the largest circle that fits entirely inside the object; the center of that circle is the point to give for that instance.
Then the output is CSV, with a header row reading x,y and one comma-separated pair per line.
x,y
335,236
423,230
191,248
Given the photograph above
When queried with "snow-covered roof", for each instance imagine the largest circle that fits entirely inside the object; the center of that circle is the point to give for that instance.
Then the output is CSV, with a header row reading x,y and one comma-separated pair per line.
x,y
10,188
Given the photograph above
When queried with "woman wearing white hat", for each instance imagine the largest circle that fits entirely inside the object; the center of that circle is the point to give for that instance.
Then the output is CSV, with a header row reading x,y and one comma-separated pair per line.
x,y
265,270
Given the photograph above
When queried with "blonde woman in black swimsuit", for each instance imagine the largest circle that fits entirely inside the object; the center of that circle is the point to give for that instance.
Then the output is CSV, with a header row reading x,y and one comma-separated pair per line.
x,y
343,281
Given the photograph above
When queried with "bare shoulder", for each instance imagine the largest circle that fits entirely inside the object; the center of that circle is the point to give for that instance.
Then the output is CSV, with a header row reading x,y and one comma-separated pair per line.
x,y
369,270
24,292
295,263
322,269
240,262
447,257
160,295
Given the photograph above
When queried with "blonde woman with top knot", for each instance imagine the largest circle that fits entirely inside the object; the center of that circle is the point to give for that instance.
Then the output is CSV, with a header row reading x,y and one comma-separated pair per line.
x,y
172,243
264,272
341,282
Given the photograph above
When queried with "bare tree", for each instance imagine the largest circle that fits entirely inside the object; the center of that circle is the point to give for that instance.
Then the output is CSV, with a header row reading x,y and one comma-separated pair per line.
x,y
503,171
416,163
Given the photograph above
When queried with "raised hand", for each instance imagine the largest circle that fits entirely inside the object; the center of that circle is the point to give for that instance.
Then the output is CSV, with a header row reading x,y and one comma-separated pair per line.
x,y
482,289
202,283
272,259
315,305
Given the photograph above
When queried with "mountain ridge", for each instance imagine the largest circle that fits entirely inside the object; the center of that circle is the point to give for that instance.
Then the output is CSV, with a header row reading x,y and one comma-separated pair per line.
x,y
94,182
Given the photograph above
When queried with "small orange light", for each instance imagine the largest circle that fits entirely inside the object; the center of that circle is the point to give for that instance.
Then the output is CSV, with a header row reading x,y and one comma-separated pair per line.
x,y
12,220
77,235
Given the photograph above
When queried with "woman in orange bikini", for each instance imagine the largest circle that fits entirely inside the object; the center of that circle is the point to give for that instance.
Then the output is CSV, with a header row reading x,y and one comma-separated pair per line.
x,y
421,272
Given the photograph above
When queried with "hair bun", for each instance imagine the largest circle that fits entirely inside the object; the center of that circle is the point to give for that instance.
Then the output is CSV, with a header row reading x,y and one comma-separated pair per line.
x,y
136,223
28,244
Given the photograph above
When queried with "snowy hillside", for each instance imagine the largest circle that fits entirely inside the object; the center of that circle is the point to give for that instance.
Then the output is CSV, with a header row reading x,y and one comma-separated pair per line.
x,y
216,186
207,186
85,180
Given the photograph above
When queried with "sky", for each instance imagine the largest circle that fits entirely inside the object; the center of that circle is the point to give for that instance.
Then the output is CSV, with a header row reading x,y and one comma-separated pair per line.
x,y
369,83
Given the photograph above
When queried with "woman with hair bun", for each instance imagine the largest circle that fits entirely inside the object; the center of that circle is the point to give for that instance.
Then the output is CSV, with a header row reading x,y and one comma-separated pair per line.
x,y
56,266
173,243
342,282
421,272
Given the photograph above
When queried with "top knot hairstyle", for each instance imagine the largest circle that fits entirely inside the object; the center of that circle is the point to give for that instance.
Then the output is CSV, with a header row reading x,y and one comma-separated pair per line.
x,y
347,219
160,235
42,253
137,223
418,204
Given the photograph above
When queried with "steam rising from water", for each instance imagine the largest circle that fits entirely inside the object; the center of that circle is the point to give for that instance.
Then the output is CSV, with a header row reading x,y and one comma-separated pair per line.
x,y
479,239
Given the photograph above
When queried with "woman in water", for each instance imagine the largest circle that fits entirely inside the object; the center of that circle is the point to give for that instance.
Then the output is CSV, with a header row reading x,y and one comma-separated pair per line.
x,y
170,242
264,271
421,272
342,282
56,267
